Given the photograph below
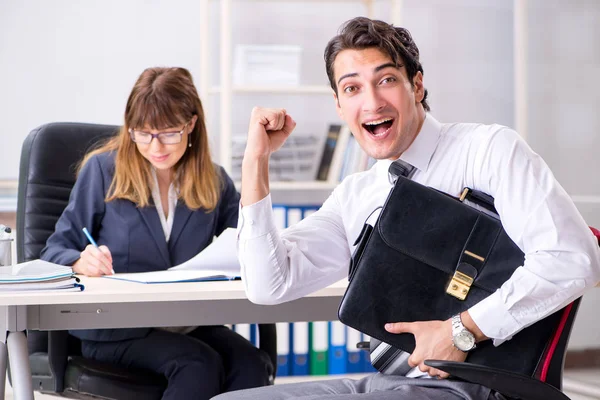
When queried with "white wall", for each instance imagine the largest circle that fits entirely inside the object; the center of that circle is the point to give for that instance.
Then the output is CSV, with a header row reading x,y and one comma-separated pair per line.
x,y
64,60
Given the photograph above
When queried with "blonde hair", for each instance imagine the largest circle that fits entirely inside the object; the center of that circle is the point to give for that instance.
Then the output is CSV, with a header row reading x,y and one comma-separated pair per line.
x,y
163,98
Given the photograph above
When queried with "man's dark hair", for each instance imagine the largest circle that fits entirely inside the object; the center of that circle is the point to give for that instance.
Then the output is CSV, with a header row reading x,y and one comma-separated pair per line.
x,y
362,33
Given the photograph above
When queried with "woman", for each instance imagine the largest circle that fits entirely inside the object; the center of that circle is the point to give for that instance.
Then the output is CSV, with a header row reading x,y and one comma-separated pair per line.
x,y
152,198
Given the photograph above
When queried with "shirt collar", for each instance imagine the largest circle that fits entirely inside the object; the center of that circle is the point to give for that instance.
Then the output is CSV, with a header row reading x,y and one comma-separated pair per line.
x,y
421,150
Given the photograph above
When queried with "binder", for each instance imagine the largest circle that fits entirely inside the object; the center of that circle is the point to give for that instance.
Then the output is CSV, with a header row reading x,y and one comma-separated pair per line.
x,y
337,348
243,330
254,334
300,348
308,210
365,356
283,348
337,160
354,362
319,343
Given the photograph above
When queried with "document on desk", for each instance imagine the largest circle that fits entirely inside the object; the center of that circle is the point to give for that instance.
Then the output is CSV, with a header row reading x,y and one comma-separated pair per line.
x,y
220,255
218,261
170,276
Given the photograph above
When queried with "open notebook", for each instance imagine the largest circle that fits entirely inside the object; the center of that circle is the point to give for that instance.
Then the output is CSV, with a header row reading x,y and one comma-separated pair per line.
x,y
216,262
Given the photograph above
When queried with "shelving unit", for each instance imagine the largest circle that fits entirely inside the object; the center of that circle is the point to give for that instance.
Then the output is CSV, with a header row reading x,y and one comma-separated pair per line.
x,y
226,90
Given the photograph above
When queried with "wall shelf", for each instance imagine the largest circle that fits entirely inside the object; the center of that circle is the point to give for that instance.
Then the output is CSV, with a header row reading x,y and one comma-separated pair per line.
x,y
298,185
302,89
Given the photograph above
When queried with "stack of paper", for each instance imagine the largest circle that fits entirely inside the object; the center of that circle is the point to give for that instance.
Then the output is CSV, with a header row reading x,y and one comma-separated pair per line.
x,y
216,262
38,275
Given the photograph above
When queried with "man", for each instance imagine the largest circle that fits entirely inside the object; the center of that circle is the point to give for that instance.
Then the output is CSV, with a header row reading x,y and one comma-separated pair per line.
x,y
377,78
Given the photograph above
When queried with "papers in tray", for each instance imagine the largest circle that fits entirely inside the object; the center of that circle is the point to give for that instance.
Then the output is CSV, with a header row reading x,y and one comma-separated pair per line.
x,y
38,275
218,261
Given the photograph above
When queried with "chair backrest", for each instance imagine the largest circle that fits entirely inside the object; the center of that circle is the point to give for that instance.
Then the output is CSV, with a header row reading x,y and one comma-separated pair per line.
x,y
47,173
550,368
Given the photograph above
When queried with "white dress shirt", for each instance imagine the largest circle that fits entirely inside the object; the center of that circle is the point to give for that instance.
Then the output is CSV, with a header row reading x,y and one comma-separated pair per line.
x,y
167,226
165,222
562,257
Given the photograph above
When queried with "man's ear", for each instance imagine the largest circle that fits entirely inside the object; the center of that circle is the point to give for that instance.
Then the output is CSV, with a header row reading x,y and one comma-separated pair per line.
x,y
419,87
337,106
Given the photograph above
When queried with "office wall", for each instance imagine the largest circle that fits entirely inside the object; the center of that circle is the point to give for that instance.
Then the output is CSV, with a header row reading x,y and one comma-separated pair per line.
x,y
64,60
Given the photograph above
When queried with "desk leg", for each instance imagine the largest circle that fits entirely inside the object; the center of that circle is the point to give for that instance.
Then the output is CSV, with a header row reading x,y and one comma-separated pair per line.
x,y
3,355
19,365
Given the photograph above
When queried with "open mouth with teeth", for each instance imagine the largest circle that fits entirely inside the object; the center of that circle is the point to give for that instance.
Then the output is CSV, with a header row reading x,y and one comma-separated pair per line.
x,y
378,127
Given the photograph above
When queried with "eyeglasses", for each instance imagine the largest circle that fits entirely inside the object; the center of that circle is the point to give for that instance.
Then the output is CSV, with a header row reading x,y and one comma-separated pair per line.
x,y
163,137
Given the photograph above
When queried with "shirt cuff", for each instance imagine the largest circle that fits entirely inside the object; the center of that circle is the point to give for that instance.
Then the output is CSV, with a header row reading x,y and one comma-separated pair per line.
x,y
494,320
256,219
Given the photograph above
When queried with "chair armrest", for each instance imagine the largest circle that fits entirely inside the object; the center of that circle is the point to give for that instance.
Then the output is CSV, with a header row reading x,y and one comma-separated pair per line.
x,y
505,382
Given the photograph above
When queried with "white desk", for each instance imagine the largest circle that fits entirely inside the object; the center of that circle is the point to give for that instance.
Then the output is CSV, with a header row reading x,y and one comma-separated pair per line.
x,y
107,303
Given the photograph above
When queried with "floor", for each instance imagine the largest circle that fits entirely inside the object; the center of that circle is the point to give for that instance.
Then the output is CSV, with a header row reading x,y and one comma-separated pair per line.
x,y
578,385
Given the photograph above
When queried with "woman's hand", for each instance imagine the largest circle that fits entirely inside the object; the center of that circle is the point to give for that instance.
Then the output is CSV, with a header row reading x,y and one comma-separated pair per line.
x,y
94,261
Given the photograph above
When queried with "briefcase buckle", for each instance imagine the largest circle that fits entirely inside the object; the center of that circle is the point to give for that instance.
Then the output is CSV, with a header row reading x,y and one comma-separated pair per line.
x,y
459,285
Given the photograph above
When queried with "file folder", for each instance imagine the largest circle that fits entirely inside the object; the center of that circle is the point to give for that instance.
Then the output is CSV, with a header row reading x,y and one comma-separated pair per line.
x,y
243,330
300,348
354,362
283,348
319,343
254,334
366,356
337,348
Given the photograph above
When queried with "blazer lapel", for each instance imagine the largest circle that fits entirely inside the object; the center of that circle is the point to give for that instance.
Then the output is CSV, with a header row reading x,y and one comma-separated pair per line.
x,y
150,217
180,219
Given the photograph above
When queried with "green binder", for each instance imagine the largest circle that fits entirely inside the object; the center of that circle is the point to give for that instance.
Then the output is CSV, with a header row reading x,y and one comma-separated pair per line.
x,y
319,343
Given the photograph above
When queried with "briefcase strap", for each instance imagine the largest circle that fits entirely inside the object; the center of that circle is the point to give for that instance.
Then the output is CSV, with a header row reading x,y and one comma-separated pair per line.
x,y
473,257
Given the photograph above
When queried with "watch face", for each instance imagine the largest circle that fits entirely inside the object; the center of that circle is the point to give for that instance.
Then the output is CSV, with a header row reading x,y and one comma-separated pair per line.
x,y
464,341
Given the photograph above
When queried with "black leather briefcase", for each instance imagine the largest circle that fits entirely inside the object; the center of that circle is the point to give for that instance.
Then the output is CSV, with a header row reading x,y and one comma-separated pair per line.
x,y
428,257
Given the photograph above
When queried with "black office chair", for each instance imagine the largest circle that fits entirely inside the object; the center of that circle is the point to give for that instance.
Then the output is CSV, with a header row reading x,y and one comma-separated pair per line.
x,y
49,158
545,381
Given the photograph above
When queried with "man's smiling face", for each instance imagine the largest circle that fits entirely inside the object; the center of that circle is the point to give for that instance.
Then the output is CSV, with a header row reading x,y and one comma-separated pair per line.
x,y
377,101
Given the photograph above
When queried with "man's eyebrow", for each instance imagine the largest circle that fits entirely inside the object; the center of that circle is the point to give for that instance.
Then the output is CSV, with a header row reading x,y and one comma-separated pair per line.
x,y
387,65
377,69
350,75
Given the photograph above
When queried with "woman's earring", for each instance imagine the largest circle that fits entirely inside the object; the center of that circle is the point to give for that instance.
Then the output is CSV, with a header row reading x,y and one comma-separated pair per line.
x,y
190,144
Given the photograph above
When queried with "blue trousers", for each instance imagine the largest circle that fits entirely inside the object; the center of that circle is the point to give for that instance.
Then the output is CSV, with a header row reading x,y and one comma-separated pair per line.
x,y
205,362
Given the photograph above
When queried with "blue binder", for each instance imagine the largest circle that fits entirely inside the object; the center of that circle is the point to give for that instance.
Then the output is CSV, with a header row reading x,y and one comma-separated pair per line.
x,y
283,348
337,348
366,360
300,348
354,362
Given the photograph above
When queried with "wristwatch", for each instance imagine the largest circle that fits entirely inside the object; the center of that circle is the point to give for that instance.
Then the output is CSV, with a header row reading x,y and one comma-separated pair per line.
x,y
462,338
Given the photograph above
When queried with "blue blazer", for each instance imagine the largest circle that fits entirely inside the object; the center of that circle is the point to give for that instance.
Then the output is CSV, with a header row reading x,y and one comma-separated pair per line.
x,y
133,234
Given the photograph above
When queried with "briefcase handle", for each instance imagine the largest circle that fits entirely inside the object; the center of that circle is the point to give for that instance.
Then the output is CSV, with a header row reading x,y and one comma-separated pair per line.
x,y
478,197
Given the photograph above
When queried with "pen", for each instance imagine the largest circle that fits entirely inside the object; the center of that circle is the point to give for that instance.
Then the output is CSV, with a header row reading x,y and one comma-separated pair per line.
x,y
89,237
92,241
